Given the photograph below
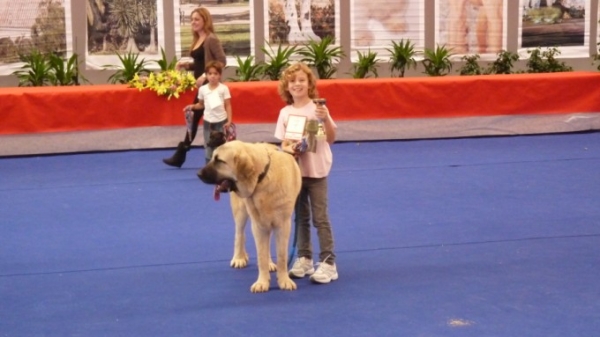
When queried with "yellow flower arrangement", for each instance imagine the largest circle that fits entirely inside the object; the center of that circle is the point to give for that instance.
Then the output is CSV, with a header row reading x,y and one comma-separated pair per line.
x,y
170,83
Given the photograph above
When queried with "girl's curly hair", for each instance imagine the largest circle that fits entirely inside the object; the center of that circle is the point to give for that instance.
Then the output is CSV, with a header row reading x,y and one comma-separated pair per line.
x,y
289,74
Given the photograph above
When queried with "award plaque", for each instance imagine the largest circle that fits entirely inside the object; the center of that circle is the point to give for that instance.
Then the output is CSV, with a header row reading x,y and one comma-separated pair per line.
x,y
294,129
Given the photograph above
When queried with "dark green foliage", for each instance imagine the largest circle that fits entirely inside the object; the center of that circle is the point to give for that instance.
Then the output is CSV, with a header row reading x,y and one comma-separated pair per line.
x,y
366,65
247,70
36,71
65,73
471,67
130,66
437,62
402,56
322,55
504,63
165,64
545,61
277,61
51,69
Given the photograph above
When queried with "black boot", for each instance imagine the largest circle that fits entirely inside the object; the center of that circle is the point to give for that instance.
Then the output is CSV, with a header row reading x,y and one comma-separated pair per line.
x,y
179,157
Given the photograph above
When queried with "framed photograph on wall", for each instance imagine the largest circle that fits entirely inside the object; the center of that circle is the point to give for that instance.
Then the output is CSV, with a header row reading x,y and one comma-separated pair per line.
x,y
564,24
467,28
120,27
28,25
376,23
232,21
295,22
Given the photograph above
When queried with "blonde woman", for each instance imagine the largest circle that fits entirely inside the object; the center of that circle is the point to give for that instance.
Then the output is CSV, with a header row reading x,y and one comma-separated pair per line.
x,y
206,47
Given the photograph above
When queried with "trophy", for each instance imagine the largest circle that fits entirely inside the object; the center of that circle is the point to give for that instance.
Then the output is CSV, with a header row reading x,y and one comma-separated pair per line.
x,y
320,101
312,128
321,130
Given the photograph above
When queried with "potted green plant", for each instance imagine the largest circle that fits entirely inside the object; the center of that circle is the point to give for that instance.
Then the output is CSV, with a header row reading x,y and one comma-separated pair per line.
x,y
545,61
247,70
130,67
164,64
65,72
277,61
437,61
366,65
402,56
471,66
36,71
322,55
503,63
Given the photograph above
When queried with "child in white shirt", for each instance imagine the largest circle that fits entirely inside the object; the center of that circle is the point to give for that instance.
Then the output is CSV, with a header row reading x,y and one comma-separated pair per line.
x,y
215,97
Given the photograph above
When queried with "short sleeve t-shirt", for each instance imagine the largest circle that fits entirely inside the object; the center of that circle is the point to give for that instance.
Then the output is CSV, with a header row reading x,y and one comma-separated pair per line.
x,y
312,165
214,102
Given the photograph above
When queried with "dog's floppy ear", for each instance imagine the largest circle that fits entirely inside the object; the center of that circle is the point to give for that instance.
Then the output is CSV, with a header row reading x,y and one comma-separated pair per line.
x,y
245,166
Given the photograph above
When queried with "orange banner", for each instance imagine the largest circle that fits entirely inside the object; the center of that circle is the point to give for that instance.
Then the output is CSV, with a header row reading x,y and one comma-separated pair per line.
x,y
102,107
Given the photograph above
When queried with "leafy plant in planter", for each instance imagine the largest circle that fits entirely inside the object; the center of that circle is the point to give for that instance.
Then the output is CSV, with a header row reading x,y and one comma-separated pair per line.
x,y
247,70
471,66
277,61
165,64
130,67
65,73
402,56
503,63
322,55
366,65
545,61
437,62
36,71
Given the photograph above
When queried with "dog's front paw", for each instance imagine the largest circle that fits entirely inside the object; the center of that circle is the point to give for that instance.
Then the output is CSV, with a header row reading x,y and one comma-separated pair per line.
x,y
286,283
260,287
239,261
272,266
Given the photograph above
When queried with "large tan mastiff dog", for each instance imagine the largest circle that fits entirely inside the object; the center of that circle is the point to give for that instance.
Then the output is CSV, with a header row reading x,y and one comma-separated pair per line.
x,y
265,183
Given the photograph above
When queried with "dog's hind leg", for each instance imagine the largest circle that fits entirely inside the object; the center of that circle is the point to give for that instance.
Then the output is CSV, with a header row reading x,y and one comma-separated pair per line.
x,y
240,216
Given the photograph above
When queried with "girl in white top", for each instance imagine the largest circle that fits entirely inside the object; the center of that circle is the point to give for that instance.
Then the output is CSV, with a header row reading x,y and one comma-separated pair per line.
x,y
215,97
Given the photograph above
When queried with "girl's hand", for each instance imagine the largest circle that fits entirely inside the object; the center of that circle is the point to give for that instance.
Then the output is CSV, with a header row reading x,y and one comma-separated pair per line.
x,y
322,112
290,146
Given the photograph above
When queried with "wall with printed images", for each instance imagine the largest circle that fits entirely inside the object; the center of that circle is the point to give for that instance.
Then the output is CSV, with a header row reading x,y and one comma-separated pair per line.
x,y
245,26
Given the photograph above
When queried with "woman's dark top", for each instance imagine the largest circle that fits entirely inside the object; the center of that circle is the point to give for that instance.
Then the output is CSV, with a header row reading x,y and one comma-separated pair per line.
x,y
199,62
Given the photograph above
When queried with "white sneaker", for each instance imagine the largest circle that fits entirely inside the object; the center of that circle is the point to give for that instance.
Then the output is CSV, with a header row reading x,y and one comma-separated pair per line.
x,y
325,273
302,267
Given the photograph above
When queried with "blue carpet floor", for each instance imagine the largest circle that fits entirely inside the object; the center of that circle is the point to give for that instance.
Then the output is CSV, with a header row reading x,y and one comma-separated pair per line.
x,y
448,237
